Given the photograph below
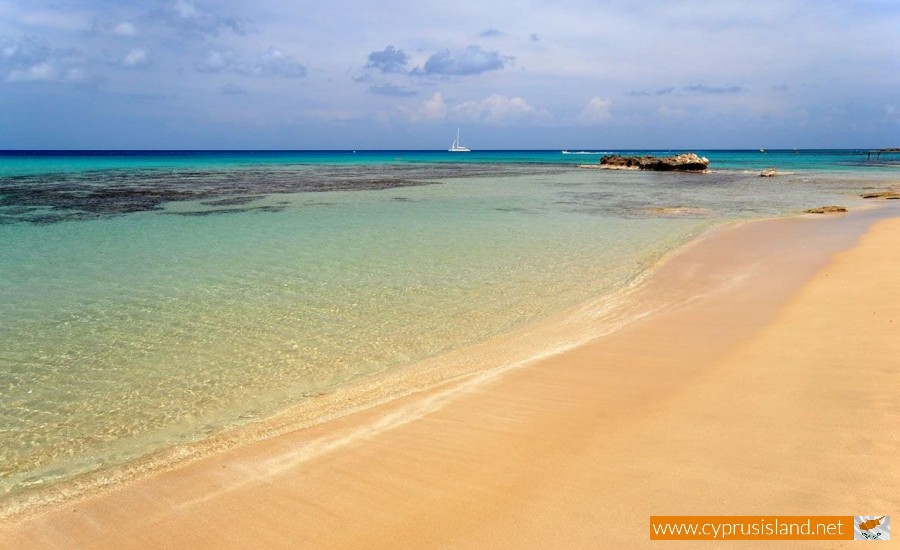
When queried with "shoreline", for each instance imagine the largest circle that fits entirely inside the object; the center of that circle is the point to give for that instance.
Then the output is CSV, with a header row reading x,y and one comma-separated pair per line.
x,y
472,363
348,433
492,357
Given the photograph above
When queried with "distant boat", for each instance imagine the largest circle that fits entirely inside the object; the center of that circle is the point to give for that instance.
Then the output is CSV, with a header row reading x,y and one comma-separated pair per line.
x,y
457,147
567,152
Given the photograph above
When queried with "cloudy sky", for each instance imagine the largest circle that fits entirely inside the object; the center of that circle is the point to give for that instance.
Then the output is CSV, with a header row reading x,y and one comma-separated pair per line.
x,y
342,74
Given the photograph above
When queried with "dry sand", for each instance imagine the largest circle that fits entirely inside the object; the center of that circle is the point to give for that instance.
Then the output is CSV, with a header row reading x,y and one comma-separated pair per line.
x,y
772,388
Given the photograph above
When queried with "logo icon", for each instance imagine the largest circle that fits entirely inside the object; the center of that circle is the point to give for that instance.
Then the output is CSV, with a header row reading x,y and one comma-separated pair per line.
x,y
871,527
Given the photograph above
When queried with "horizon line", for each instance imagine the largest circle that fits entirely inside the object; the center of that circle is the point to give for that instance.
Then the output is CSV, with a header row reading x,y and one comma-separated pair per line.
x,y
358,150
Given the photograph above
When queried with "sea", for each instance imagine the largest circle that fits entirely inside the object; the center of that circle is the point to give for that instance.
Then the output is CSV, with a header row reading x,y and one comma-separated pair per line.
x,y
151,300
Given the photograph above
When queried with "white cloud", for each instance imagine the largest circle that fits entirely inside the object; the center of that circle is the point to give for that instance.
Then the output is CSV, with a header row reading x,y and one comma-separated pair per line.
x,y
498,109
32,59
217,60
596,111
124,28
494,109
137,57
184,9
272,62
434,108
35,73
431,109
46,72
185,17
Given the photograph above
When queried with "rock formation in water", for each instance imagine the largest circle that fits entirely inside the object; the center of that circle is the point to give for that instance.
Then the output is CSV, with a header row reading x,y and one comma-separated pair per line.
x,y
826,210
686,162
882,195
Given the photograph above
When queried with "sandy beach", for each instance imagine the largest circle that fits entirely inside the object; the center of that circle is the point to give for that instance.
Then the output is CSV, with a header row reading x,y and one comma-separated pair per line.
x,y
769,387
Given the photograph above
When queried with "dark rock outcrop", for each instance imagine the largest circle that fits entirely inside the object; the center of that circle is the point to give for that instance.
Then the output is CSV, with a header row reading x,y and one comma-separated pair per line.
x,y
826,210
686,162
882,195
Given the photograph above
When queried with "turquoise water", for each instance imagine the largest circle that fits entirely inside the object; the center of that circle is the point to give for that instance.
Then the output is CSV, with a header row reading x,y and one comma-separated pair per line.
x,y
150,299
38,162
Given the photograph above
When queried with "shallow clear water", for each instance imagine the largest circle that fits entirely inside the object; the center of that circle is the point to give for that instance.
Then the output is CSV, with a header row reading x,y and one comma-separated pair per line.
x,y
151,299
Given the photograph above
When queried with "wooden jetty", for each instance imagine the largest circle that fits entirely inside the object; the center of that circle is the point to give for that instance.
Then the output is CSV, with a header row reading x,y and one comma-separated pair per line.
x,y
878,152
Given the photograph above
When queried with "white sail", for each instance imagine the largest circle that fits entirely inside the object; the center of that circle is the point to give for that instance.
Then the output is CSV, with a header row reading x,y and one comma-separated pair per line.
x,y
457,147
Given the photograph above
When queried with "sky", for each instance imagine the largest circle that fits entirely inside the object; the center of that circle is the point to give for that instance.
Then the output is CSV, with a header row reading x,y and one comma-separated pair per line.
x,y
512,74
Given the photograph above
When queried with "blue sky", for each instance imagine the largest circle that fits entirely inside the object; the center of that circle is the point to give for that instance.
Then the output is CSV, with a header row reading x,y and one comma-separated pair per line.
x,y
277,74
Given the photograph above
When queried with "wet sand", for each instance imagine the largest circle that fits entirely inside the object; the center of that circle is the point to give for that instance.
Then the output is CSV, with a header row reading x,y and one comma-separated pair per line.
x,y
766,385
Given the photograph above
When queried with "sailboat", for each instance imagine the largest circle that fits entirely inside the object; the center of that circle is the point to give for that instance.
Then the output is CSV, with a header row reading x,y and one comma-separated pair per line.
x,y
457,147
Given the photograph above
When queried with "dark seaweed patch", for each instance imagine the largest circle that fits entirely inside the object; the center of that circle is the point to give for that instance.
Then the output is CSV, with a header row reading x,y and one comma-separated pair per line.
x,y
227,211
513,209
70,196
232,201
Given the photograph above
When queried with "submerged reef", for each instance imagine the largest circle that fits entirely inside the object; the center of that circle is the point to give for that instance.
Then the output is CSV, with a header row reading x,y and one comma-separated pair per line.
x,y
70,196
